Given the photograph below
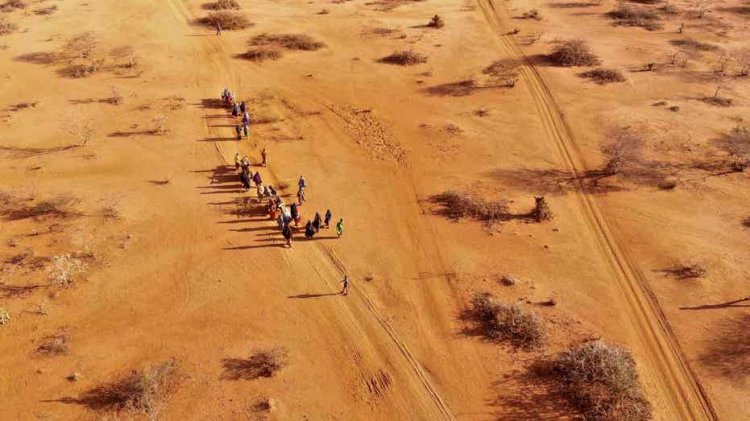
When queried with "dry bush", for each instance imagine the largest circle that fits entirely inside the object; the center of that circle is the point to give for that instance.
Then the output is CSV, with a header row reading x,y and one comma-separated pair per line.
x,y
600,380
55,344
737,144
746,222
288,41
46,10
533,14
632,16
691,270
505,71
324,12
541,210
261,54
717,101
7,27
223,5
458,205
262,363
623,149
4,316
693,45
436,22
702,7
404,58
66,269
115,98
62,206
604,76
227,19
573,53
503,321
741,60
81,46
11,5
669,9
140,392
160,126
460,88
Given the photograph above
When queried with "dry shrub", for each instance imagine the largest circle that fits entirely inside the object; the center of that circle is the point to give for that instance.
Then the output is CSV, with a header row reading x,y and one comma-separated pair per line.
x,y
140,392
746,222
116,98
505,71
404,58
600,380
66,269
460,88
46,10
533,14
503,321
11,5
227,19
436,22
574,52
717,101
541,210
604,76
632,16
160,126
55,344
223,5
741,60
287,41
691,270
7,27
57,207
262,363
623,149
262,54
693,45
460,204
737,144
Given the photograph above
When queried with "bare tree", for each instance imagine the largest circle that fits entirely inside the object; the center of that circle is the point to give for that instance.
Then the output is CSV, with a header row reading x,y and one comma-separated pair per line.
x,y
622,147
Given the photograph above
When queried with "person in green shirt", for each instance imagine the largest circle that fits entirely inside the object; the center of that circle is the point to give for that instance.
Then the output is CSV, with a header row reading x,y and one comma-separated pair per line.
x,y
340,227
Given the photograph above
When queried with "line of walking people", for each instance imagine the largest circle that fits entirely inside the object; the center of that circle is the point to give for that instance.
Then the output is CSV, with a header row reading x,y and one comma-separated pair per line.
x,y
277,210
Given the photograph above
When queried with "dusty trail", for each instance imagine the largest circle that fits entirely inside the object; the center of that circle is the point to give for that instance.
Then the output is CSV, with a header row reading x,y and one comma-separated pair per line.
x,y
359,316
684,394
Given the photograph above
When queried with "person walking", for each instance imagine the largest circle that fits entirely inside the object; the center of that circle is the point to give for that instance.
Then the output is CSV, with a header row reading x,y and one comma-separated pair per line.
x,y
235,110
264,155
237,161
327,220
316,222
243,107
309,230
287,233
245,179
301,196
218,28
246,128
345,289
257,180
302,183
238,129
261,192
340,227
294,213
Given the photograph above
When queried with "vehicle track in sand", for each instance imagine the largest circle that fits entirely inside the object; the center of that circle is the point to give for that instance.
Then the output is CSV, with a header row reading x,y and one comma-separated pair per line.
x,y
683,393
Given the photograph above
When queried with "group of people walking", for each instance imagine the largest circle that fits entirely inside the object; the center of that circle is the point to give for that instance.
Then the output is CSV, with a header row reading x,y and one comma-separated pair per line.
x,y
277,210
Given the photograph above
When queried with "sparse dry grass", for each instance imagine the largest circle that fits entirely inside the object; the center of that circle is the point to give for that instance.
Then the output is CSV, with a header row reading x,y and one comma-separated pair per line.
x,y
15,207
404,58
694,45
574,52
262,54
223,5
737,144
7,27
503,321
262,363
139,392
459,205
604,76
600,380
52,345
636,16
229,20
46,10
302,42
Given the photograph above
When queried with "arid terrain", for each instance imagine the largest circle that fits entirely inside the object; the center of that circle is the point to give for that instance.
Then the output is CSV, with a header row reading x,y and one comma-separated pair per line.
x,y
545,210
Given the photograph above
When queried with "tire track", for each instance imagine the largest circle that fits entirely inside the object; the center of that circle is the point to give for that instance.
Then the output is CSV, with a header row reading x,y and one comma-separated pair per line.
x,y
686,395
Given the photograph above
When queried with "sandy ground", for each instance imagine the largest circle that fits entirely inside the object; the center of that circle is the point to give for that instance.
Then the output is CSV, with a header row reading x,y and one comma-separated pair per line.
x,y
178,268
